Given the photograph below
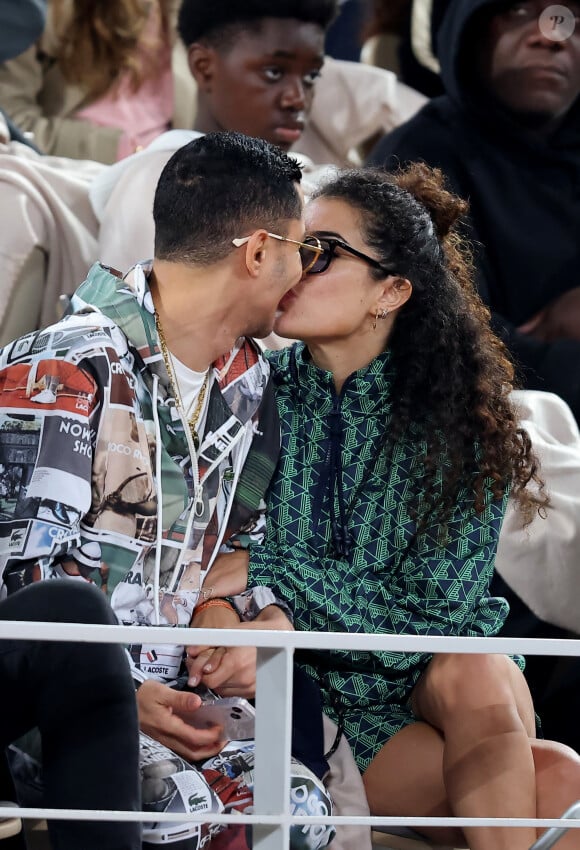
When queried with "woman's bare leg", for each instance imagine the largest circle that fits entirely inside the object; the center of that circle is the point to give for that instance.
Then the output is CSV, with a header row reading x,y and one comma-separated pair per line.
x,y
475,765
483,709
406,778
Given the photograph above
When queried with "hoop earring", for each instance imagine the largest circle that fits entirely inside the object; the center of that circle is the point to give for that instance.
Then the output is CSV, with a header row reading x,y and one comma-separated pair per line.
x,y
379,315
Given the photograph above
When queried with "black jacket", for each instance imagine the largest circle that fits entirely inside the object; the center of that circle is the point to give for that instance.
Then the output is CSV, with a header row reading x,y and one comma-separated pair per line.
x,y
524,196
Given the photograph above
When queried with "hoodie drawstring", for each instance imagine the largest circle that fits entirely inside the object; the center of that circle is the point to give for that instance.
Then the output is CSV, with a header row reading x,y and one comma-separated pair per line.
x,y
159,530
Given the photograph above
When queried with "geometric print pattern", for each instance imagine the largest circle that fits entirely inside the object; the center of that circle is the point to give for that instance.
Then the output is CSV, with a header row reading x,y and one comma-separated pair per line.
x,y
392,581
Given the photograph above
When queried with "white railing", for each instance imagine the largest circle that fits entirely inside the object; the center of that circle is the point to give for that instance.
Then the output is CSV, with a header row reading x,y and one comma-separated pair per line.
x,y
271,819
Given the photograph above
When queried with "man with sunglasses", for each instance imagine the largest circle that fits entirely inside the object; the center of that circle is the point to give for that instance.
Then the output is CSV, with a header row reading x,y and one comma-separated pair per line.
x,y
151,429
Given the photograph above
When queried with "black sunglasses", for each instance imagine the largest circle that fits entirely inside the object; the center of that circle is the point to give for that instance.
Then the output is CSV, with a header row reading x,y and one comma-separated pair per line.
x,y
327,254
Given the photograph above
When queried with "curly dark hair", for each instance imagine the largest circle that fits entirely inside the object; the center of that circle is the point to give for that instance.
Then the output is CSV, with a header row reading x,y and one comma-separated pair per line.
x,y
453,376
218,21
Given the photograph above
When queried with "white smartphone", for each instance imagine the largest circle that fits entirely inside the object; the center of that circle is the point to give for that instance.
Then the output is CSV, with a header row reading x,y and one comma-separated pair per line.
x,y
235,715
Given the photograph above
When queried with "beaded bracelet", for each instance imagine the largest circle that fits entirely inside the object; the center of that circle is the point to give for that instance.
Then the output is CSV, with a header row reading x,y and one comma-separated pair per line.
x,y
208,603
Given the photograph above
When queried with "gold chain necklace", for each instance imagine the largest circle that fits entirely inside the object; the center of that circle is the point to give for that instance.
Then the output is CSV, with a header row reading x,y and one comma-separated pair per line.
x,y
193,419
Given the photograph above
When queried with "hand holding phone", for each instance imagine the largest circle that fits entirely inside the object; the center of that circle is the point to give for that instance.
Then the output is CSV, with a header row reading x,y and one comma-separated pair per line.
x,y
235,715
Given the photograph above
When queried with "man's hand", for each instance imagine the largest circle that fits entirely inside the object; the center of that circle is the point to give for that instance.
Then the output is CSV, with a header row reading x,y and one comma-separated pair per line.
x,y
559,320
233,668
163,713
229,573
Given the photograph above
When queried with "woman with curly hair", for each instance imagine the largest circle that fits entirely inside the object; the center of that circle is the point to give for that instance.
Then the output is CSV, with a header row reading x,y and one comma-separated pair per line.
x,y
99,83
399,449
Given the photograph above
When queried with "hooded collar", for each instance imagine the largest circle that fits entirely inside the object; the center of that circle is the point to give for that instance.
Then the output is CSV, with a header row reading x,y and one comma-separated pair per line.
x,y
361,391
128,303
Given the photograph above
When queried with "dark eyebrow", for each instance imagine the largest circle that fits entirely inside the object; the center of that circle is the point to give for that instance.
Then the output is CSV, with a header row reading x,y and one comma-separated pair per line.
x,y
329,233
287,54
283,54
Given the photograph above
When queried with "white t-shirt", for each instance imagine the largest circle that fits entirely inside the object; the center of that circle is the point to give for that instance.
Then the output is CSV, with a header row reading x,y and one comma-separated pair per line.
x,y
190,383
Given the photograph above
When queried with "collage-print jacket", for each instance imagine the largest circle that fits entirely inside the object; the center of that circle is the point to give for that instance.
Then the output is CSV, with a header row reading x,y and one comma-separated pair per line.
x,y
98,476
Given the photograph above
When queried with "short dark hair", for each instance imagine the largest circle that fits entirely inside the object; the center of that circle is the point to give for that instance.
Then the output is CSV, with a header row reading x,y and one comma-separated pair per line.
x,y
217,188
218,21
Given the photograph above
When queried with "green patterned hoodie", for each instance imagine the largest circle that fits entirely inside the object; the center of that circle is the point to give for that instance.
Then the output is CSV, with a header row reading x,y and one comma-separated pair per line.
x,y
341,546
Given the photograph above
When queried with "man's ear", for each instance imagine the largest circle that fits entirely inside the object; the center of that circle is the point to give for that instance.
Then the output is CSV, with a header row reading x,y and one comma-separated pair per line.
x,y
255,254
201,60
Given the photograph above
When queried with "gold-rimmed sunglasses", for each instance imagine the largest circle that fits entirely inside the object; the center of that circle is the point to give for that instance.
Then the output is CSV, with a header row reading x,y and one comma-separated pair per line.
x,y
309,251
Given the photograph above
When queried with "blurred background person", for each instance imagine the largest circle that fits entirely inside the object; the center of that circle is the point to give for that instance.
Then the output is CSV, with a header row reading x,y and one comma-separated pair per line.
x,y
259,69
249,83
401,35
99,83
21,23
507,136
343,39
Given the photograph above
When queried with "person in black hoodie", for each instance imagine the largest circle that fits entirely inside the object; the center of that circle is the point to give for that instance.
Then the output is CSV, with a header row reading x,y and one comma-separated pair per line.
x,y
507,135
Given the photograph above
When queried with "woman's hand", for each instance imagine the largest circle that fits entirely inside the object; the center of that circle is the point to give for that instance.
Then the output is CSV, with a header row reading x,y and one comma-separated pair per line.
x,y
231,670
163,714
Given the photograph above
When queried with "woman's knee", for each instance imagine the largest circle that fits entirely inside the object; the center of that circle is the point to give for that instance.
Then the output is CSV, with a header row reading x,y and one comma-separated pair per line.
x,y
454,684
557,769
557,760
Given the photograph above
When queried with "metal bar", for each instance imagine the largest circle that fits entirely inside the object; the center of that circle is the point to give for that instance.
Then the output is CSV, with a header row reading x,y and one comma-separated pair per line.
x,y
278,639
273,744
276,818
272,819
549,838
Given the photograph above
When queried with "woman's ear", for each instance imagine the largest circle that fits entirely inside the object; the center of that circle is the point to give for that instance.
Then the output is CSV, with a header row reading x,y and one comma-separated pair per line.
x,y
396,292
200,59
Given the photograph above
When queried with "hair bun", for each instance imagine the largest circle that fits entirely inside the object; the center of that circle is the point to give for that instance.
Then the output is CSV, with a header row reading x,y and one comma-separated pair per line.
x,y
427,185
